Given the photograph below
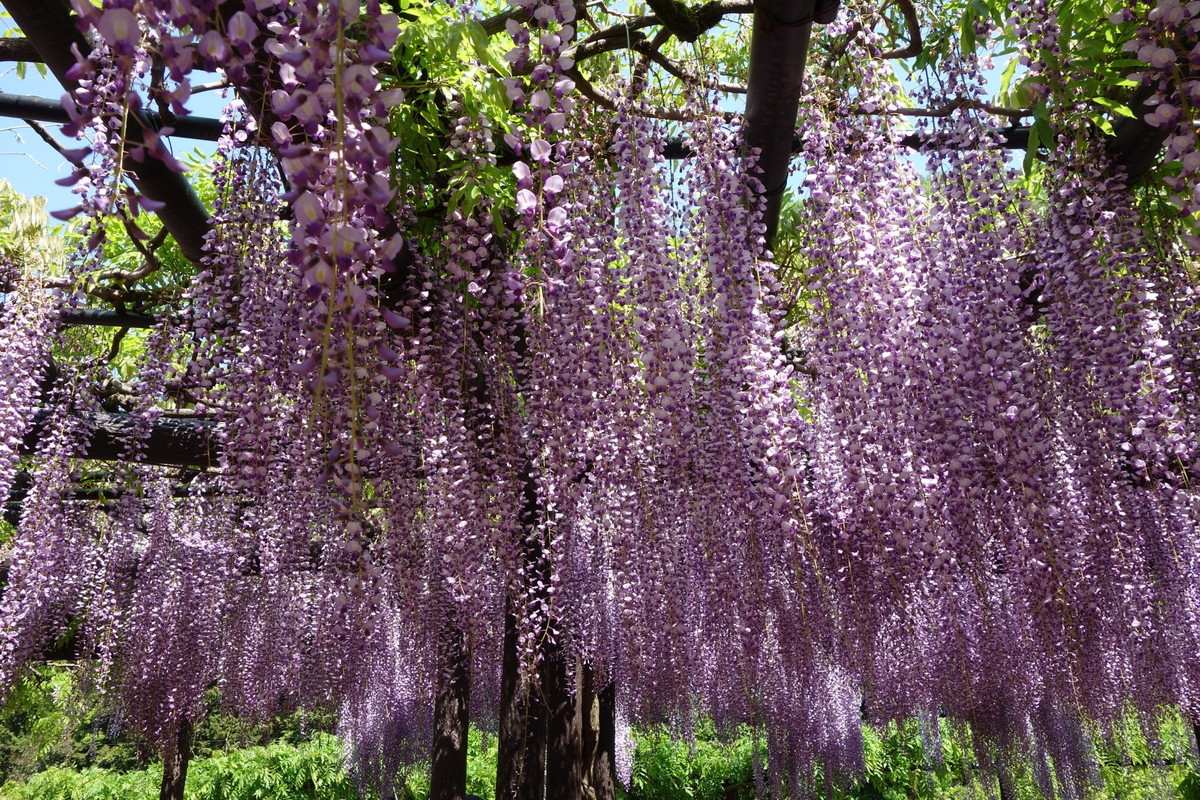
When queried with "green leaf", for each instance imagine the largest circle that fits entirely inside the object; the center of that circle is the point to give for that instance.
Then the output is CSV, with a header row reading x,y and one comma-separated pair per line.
x,y
1040,135
1123,63
1007,75
967,31
1114,106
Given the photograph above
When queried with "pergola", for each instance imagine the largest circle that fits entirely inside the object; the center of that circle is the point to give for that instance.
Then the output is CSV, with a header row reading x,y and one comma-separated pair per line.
x,y
774,90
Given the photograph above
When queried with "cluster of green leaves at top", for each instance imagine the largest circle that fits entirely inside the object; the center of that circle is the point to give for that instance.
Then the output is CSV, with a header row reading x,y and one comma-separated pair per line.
x,y
448,68
1086,73
1085,76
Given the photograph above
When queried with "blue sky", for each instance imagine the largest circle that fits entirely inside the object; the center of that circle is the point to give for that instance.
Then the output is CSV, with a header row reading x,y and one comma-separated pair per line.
x,y
27,162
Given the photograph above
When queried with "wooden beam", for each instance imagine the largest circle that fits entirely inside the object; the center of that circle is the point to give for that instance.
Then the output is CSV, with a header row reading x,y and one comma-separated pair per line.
x,y
190,442
23,106
17,48
778,52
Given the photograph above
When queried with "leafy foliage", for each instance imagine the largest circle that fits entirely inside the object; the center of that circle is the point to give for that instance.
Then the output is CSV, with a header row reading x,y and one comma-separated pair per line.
x,y
448,68
311,771
705,768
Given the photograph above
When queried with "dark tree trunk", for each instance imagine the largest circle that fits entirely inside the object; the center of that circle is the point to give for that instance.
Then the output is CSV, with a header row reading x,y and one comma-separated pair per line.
x,y
564,735
451,713
533,769
520,763
604,765
589,717
510,756
1005,781
176,755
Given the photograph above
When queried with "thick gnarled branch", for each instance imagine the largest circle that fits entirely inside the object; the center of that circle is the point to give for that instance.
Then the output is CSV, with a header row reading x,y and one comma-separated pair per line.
x,y
915,44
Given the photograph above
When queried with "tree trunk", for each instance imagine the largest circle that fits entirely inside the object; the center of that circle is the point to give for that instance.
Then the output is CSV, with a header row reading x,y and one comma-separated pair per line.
x,y
176,755
604,764
533,771
589,716
519,762
451,714
1005,780
598,706
564,736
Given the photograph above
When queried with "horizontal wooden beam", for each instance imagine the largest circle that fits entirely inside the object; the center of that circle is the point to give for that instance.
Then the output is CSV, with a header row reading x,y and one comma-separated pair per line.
x,y
18,48
106,319
172,441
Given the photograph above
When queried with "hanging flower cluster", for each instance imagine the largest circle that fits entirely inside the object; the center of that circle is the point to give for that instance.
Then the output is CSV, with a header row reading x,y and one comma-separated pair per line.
x,y
1012,388
27,321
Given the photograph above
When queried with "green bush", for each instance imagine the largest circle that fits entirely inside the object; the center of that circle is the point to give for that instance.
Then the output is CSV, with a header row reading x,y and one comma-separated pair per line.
x,y
59,783
310,771
707,768
46,722
58,743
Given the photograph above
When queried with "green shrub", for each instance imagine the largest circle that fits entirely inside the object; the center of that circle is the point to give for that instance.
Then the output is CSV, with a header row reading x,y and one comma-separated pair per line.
x,y
310,771
59,783
707,768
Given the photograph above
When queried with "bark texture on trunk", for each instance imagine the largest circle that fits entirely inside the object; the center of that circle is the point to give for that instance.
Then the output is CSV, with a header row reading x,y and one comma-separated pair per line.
x,y
564,734
604,764
451,713
519,762
589,718
175,762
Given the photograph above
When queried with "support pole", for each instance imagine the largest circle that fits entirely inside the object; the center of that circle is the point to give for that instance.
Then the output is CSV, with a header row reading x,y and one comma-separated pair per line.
x,y
778,52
